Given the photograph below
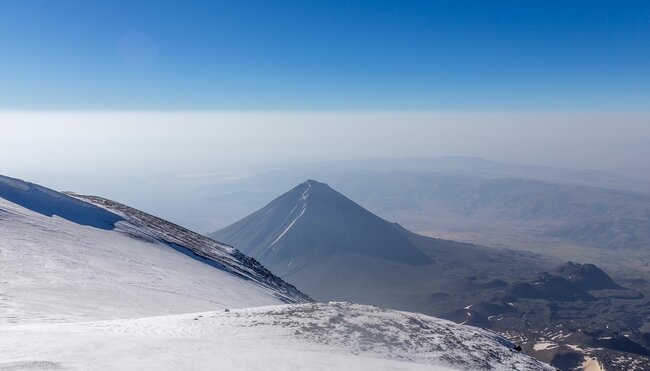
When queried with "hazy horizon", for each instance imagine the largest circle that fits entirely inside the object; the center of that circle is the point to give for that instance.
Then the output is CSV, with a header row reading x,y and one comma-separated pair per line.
x,y
187,143
124,89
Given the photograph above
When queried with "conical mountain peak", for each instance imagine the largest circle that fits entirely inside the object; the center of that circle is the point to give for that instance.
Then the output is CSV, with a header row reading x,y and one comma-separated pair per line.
x,y
314,187
317,197
312,182
334,249
314,222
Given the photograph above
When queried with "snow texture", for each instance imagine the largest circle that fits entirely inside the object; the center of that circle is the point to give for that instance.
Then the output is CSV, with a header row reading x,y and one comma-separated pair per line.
x,y
67,268
90,284
48,202
286,337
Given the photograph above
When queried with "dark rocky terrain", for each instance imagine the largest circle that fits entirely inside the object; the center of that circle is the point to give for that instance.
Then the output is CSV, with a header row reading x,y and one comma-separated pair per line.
x,y
564,314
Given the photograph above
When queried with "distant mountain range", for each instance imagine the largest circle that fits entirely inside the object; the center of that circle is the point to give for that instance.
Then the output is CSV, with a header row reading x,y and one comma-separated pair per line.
x,y
585,215
480,167
214,200
465,199
332,248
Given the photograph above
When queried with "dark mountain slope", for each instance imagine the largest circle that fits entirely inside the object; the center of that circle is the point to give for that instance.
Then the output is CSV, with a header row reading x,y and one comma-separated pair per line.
x,y
586,276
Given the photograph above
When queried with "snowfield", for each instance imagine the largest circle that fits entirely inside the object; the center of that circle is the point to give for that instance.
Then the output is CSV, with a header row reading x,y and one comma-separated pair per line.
x,y
312,336
55,269
90,284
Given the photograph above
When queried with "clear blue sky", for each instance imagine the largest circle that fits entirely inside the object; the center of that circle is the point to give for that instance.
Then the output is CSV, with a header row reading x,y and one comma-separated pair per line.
x,y
325,55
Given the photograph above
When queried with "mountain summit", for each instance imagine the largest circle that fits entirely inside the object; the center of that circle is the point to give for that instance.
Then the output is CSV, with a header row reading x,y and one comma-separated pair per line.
x,y
333,249
311,223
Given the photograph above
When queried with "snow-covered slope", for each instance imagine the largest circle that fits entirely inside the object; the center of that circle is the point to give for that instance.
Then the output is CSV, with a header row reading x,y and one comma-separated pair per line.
x,y
144,226
332,336
90,284
63,259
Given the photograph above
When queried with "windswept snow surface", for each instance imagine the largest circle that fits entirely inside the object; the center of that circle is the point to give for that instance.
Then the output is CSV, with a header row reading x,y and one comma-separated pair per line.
x,y
148,227
48,202
58,268
90,284
312,336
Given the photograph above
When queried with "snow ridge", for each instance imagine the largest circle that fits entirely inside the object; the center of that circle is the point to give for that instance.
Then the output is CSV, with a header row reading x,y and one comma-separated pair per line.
x,y
141,225
49,203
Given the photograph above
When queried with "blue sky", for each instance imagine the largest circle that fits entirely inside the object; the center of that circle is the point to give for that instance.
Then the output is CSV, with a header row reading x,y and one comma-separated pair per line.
x,y
325,55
